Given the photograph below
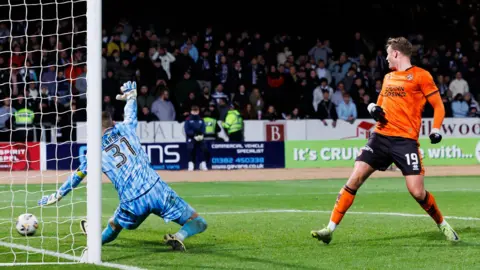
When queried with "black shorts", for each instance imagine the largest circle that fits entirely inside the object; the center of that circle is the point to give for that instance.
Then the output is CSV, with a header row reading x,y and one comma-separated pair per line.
x,y
381,151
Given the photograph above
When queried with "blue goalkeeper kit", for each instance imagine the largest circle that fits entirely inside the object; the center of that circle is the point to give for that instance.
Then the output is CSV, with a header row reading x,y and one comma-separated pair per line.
x,y
140,189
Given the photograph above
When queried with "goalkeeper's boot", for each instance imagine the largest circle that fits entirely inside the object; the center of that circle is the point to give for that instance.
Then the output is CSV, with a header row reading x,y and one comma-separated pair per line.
x,y
448,231
83,226
174,242
324,235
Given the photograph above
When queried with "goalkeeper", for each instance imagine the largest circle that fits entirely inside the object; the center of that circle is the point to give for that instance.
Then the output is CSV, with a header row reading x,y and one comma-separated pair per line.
x,y
141,191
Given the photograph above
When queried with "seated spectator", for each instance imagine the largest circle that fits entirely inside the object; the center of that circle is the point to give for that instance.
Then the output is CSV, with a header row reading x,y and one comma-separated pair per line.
x,y
249,113
271,114
145,115
363,107
459,106
326,109
471,102
347,110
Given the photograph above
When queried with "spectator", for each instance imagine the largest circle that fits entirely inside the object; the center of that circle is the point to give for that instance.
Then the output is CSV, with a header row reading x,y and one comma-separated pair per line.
x,y
347,110
459,106
326,109
185,87
115,44
222,108
340,69
471,102
323,72
81,84
108,106
249,113
257,103
321,51
295,115
187,105
49,79
166,59
271,114
163,108
192,50
204,70
145,115
363,107
337,96
125,72
145,99
459,85
447,105
6,119
241,97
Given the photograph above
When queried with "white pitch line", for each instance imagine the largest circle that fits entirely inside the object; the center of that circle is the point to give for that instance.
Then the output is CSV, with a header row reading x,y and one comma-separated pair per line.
x,y
260,195
60,255
267,211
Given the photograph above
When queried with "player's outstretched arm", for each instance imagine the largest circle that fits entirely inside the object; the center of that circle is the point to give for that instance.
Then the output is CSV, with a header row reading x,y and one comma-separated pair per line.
x,y
129,90
438,116
72,182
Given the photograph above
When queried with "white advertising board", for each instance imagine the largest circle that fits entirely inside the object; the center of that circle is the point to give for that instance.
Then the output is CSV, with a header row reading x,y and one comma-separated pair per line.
x,y
256,130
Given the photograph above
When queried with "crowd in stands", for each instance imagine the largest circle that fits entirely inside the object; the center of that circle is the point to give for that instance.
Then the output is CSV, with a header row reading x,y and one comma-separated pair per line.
x,y
266,78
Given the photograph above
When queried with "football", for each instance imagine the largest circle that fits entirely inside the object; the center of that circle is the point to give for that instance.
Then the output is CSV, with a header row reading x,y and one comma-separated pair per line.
x,y
27,224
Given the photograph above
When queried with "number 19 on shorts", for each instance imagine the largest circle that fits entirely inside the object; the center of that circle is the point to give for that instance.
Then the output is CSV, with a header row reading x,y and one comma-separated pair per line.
x,y
412,160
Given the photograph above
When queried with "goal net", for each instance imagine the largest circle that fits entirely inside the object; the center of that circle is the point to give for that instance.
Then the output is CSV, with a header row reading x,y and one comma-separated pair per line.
x,y
43,94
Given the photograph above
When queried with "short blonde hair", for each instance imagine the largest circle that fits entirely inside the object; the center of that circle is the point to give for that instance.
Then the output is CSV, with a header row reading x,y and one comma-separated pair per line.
x,y
400,44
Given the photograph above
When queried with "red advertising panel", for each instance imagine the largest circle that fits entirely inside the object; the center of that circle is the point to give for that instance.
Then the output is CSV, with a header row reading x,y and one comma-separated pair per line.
x,y
19,156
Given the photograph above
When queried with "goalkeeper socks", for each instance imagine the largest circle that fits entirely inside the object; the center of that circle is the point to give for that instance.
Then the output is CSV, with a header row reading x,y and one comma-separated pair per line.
x,y
344,201
109,234
194,226
430,206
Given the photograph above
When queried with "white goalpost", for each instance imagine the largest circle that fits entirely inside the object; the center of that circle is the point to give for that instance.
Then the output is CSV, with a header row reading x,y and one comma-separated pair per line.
x,y
94,130
45,47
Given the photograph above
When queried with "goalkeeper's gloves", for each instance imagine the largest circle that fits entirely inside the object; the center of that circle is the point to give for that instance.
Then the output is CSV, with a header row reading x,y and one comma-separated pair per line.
x,y
198,138
129,90
435,136
377,113
51,199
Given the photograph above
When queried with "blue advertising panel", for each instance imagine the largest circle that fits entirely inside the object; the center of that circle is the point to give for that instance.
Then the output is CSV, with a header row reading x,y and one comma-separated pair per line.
x,y
247,155
163,156
174,156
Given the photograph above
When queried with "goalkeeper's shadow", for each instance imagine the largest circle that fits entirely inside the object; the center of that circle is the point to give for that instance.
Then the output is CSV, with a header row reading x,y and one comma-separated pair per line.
x,y
147,246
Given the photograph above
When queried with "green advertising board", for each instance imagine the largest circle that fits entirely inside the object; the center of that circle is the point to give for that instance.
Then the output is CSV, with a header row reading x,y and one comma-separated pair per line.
x,y
342,153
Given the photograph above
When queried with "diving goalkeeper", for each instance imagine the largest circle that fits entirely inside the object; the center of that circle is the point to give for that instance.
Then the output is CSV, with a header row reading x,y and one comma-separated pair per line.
x,y
141,191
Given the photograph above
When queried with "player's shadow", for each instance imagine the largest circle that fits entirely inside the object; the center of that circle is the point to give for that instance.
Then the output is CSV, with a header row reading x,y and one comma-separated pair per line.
x,y
431,235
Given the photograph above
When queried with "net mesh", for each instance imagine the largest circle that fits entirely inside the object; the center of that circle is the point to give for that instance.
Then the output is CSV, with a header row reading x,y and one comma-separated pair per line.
x,y
42,97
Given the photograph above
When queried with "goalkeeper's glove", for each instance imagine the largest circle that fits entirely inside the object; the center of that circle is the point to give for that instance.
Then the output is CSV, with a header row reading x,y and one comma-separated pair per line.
x,y
435,136
198,138
377,113
129,90
51,199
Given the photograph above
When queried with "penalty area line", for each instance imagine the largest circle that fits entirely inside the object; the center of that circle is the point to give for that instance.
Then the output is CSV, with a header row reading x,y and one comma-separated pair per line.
x,y
69,257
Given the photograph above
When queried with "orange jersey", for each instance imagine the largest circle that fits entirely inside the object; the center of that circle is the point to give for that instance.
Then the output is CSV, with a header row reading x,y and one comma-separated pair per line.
x,y
403,97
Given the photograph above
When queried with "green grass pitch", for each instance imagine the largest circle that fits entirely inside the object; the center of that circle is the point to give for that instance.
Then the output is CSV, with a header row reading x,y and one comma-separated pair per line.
x,y
266,225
